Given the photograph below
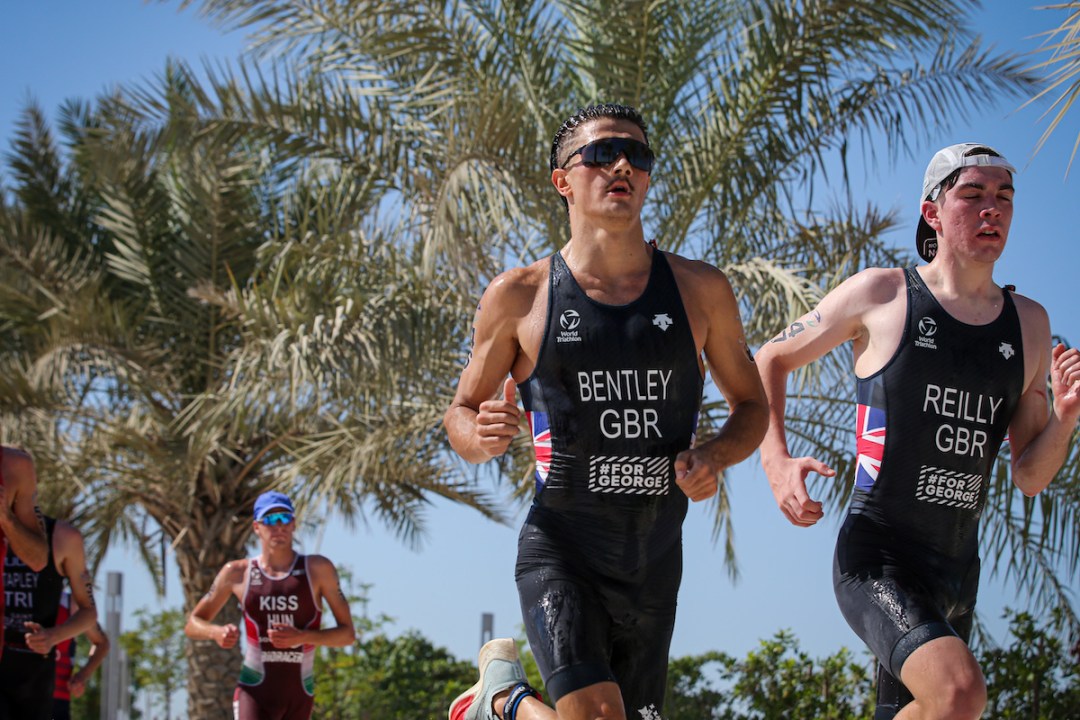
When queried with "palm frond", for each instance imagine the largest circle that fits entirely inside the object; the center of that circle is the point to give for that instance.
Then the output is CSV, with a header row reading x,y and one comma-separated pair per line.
x,y
1063,45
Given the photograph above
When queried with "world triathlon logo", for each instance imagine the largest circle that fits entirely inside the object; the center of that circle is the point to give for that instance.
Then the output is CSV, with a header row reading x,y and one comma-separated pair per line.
x,y
927,330
569,321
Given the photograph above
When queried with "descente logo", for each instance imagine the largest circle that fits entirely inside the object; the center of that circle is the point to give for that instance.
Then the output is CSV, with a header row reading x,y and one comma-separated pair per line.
x,y
662,321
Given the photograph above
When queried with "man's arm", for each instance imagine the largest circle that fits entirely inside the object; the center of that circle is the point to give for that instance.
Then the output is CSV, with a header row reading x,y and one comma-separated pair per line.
x,y
735,375
200,625
19,517
324,580
1040,431
99,648
69,555
838,318
483,418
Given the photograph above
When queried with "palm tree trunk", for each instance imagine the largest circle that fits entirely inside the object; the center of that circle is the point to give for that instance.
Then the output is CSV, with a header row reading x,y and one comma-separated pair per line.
x,y
212,671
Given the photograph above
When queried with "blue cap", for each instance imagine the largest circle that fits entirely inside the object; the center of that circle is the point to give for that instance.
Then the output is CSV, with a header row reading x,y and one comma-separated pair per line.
x,y
269,501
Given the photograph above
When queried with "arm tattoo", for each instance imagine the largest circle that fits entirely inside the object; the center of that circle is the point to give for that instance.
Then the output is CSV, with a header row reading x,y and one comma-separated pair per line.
x,y
210,592
90,593
746,349
811,321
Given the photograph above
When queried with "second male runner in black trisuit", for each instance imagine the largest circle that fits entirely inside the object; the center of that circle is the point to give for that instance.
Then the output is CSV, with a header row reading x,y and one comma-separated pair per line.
x,y
33,628
21,529
608,340
946,362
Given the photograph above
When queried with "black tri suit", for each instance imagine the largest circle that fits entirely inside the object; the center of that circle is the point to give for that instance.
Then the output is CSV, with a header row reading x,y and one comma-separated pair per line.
x,y
930,424
27,678
614,397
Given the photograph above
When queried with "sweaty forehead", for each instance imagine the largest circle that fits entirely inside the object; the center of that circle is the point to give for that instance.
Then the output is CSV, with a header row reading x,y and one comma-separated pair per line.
x,y
601,128
985,177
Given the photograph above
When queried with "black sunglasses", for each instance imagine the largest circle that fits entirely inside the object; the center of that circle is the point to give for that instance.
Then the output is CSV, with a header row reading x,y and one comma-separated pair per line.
x,y
607,150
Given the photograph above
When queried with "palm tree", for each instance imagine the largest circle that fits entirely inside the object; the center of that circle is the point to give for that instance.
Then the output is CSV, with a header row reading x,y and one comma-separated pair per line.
x,y
1063,45
193,315
754,109
369,180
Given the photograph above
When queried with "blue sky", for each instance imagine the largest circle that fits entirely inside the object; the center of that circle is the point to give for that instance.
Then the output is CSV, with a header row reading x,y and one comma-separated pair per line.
x,y
58,49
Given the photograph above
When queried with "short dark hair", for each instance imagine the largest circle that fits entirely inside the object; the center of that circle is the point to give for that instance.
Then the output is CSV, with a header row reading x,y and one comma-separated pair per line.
x,y
594,112
587,114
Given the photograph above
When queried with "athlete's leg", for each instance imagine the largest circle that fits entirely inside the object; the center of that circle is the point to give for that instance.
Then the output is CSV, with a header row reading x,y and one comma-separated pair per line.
x,y
502,693
247,707
300,708
27,681
502,686
945,680
643,621
569,630
602,701
891,695
892,610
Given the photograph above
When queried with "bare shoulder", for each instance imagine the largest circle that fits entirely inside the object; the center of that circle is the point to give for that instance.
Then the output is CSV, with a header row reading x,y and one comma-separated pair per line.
x,y
67,531
511,297
321,566
17,465
233,572
66,538
704,288
873,285
513,291
694,273
1037,337
1032,314
323,575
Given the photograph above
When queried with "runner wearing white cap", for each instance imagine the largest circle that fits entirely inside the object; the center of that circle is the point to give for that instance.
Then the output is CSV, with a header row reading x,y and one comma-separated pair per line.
x,y
947,363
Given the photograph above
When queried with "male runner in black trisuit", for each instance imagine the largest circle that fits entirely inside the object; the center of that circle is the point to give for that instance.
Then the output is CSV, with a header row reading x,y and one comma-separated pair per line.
x,y
608,341
947,363
21,528
32,627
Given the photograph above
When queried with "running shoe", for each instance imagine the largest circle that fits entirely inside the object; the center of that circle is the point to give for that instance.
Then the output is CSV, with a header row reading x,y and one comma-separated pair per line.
x,y
500,670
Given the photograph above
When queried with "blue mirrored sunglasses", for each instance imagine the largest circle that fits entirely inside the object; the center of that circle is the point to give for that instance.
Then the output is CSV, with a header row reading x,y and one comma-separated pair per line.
x,y
607,150
278,518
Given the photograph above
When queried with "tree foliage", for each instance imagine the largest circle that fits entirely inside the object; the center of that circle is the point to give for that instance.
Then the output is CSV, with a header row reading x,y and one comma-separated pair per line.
x,y
1036,674
261,275
155,652
1063,67
190,315
385,678
776,680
